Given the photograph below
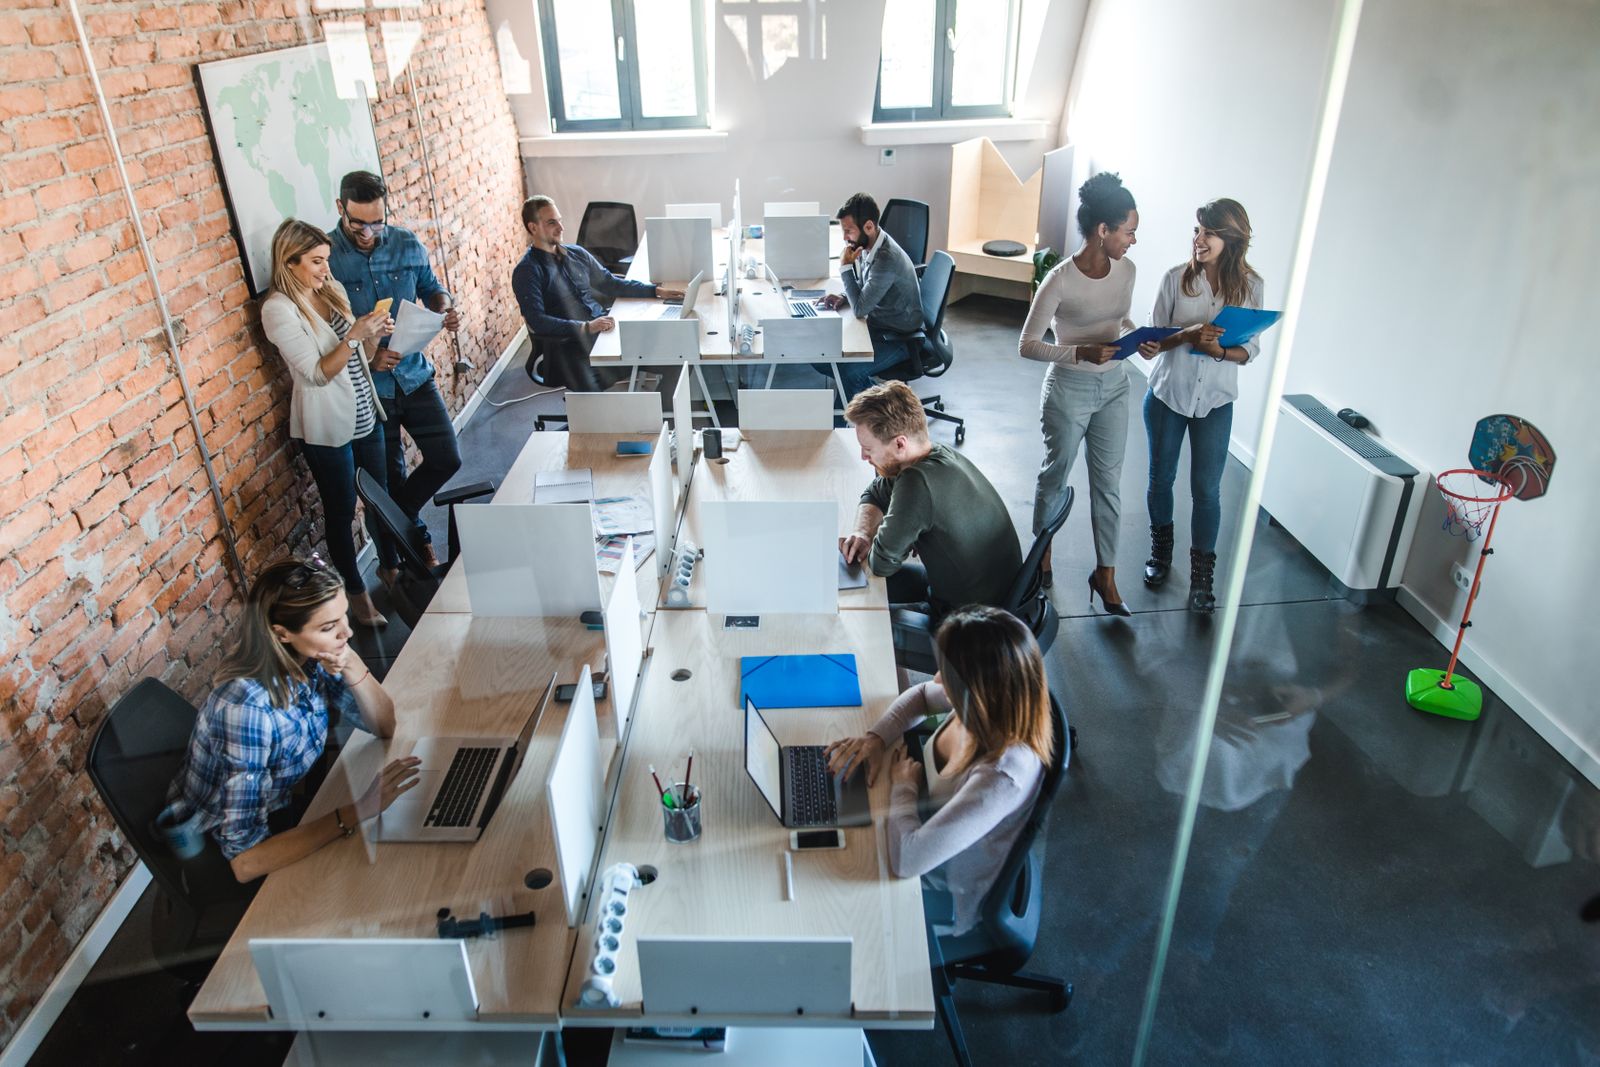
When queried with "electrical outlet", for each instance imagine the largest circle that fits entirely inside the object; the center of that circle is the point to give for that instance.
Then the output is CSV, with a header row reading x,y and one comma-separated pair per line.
x,y
885,157
1462,577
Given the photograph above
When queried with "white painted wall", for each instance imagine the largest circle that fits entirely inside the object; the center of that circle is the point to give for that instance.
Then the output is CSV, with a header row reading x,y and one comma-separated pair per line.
x,y
794,135
1452,275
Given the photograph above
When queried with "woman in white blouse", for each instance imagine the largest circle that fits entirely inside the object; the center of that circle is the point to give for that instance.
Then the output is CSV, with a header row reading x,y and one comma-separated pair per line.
x,y
1192,389
332,411
1084,301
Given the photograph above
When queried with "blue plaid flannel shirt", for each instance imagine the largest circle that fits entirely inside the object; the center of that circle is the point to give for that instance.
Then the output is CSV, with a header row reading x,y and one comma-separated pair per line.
x,y
246,754
397,268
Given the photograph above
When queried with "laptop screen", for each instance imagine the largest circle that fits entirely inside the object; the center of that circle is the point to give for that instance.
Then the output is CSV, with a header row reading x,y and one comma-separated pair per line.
x,y
763,757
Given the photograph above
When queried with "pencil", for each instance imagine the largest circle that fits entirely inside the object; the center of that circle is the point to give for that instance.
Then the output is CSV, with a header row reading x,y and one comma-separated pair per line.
x,y
686,793
666,798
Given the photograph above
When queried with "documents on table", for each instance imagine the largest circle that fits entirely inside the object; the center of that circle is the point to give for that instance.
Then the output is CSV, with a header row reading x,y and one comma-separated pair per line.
x,y
414,327
1241,325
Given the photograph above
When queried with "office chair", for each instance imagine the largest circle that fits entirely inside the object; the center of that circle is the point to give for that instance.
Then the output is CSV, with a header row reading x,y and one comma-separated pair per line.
x,y
933,354
999,946
907,222
136,753
418,581
912,630
609,231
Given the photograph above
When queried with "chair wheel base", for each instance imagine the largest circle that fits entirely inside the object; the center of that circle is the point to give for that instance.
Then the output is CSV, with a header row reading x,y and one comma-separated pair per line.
x,y
1060,999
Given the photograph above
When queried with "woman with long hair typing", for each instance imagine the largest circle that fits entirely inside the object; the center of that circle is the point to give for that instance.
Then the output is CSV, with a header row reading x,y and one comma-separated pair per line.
x,y
1192,388
984,763
333,411
265,725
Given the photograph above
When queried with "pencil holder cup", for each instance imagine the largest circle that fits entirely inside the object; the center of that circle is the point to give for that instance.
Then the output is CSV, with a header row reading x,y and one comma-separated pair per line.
x,y
682,823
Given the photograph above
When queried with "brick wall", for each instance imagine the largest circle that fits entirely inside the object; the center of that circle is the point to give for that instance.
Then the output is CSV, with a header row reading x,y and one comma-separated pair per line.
x,y
112,565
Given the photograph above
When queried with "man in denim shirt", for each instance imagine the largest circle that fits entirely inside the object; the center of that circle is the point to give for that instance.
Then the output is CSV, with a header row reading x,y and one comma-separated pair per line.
x,y
373,260
558,287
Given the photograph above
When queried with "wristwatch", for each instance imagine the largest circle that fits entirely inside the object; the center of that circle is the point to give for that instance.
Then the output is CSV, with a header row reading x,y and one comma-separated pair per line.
x,y
355,345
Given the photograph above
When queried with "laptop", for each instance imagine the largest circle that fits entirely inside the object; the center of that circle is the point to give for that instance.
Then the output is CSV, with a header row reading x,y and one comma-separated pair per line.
x,y
796,782
461,781
690,293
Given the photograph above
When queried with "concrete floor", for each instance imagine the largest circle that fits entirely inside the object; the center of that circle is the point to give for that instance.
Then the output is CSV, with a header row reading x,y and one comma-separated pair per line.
x,y
1408,893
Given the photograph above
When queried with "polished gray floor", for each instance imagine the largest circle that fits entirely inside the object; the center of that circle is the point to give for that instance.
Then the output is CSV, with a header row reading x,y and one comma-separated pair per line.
x,y
1366,885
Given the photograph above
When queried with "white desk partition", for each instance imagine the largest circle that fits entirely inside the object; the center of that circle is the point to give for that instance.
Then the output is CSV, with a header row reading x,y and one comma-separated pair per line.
x,y
574,796
683,427
529,560
365,983
791,978
697,211
780,208
663,502
770,557
614,412
785,409
659,340
678,249
814,340
624,638
796,247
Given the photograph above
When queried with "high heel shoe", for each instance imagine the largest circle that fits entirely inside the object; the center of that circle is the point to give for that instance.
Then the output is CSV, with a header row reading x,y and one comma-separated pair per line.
x,y
1046,578
365,612
1120,608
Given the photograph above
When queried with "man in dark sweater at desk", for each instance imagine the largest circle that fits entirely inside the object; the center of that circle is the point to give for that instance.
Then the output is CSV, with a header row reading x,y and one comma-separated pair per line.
x,y
931,499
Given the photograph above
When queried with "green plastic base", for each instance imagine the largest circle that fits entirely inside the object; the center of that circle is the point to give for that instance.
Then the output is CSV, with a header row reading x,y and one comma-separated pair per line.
x,y
1463,700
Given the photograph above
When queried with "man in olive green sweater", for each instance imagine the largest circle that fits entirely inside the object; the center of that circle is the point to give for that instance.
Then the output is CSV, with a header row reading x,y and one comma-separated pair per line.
x,y
929,499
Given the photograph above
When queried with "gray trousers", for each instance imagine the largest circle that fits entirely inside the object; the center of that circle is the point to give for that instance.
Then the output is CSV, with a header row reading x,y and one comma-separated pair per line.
x,y
1077,407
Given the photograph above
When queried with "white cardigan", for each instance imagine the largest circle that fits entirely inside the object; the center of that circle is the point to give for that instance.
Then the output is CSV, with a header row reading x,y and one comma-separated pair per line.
x,y
322,410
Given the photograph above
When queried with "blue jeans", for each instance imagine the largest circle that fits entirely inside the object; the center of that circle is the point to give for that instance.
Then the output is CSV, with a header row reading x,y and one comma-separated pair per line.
x,y
889,350
422,413
333,468
1208,455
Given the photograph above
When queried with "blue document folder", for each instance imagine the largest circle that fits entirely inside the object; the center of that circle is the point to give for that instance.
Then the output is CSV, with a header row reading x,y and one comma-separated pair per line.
x,y
827,681
1242,324
1129,344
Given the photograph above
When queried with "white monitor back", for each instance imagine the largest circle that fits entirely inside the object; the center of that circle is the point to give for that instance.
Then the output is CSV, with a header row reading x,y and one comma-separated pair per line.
x,y
573,795
782,208
678,249
657,341
812,340
615,412
785,409
793,978
683,428
697,211
529,560
663,501
796,247
365,983
771,557
624,637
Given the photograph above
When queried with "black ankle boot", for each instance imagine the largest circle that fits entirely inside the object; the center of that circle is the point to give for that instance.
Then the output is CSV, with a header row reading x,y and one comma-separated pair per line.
x,y
1202,565
1159,565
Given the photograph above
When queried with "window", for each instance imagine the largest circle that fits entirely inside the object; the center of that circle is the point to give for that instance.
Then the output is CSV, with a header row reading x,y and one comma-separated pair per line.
x,y
946,59
625,64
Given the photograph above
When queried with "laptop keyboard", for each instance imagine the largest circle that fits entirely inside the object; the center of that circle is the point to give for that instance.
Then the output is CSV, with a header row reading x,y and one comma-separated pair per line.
x,y
811,794
801,310
672,312
463,785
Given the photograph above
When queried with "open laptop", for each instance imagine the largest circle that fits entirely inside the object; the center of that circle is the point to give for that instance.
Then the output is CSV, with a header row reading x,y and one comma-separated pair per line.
x,y
795,780
690,293
460,783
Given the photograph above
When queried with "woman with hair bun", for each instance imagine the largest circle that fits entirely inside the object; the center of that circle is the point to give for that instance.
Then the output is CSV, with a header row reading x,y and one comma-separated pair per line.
x,y
1084,301
1192,388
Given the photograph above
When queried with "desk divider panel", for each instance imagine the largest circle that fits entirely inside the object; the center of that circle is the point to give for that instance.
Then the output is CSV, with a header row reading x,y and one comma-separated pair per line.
x,y
683,427
575,797
812,340
785,409
771,557
614,412
529,560
679,249
624,640
365,983
657,340
663,502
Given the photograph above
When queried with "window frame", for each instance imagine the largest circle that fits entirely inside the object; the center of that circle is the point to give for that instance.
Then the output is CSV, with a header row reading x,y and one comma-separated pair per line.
x,y
629,99
942,110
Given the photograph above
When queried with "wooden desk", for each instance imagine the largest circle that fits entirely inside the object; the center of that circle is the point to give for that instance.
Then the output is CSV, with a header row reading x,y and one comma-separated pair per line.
x,y
456,676
614,475
787,465
729,883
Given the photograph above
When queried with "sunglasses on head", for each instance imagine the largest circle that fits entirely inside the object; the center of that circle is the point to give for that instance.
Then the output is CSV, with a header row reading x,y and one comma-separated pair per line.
x,y
307,569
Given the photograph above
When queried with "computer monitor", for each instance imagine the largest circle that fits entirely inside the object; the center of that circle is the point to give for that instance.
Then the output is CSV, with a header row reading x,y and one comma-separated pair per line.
x,y
796,247
678,249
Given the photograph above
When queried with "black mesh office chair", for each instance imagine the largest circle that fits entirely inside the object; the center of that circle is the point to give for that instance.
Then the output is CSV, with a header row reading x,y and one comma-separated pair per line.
x,y
933,354
135,755
907,222
609,231
418,581
912,630
1000,945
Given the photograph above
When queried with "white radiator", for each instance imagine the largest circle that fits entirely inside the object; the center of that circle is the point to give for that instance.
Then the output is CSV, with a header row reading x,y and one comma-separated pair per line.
x,y
1343,494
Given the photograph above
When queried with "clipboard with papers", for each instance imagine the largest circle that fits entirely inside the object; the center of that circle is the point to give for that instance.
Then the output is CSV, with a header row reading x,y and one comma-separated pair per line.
x,y
819,681
1129,343
1242,325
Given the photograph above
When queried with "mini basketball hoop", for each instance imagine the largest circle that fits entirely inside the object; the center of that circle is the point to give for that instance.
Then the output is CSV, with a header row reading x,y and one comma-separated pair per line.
x,y
1466,508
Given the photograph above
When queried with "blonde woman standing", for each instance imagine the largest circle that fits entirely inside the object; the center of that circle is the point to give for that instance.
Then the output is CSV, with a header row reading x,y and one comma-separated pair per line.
x,y
333,411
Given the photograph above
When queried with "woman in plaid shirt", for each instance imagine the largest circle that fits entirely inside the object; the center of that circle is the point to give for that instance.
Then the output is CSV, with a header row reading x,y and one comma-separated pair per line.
x,y
266,723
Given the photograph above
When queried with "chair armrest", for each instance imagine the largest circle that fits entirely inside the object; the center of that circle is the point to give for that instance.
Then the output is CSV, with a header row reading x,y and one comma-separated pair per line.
x,y
462,493
939,906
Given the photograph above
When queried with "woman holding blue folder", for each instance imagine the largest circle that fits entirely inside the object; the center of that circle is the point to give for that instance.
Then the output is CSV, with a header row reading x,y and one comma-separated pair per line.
x,y
1192,389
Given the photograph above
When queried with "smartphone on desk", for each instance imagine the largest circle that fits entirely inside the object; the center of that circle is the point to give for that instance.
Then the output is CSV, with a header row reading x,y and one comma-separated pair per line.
x,y
813,840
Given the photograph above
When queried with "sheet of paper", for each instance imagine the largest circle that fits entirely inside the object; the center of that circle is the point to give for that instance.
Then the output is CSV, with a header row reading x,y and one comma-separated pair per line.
x,y
608,551
414,327
615,515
